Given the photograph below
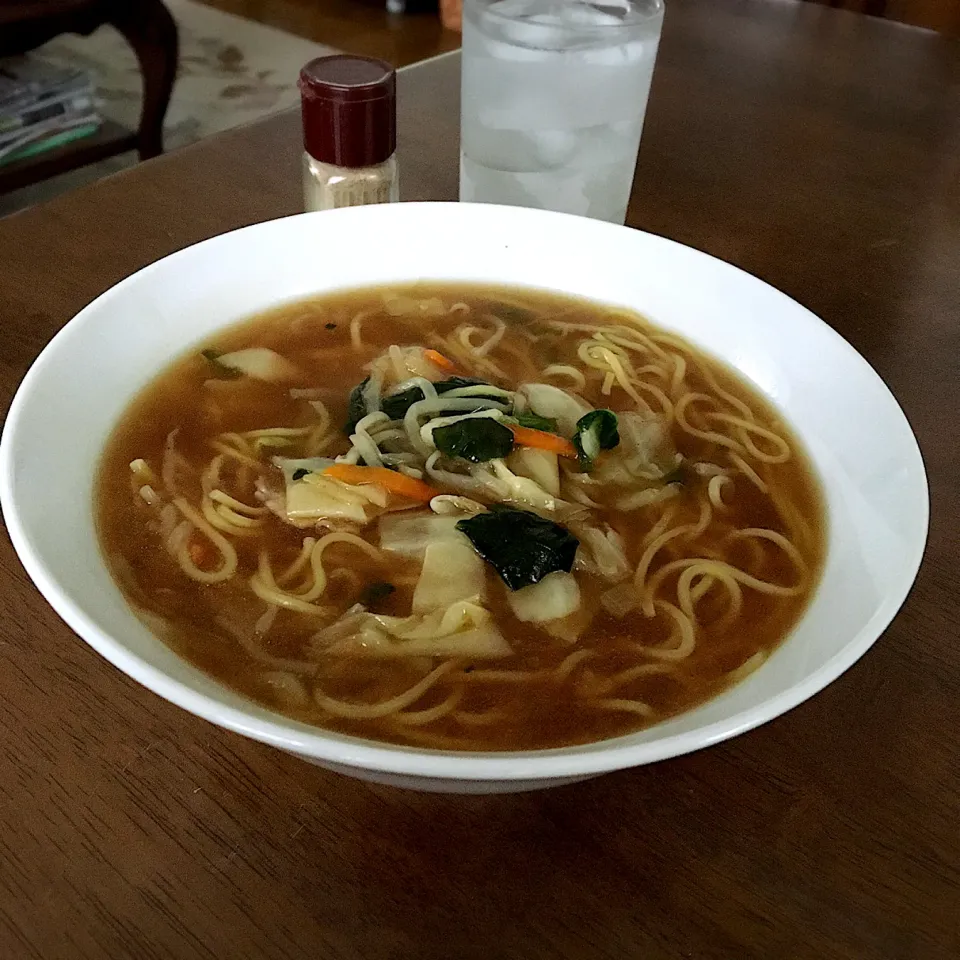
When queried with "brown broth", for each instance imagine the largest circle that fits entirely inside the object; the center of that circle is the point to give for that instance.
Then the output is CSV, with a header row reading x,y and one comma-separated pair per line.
x,y
537,713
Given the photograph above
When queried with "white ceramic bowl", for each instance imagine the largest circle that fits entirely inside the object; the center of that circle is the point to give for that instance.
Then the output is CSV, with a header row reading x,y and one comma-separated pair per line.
x,y
858,438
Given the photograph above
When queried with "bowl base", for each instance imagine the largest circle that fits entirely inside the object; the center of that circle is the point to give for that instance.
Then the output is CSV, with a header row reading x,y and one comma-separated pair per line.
x,y
444,784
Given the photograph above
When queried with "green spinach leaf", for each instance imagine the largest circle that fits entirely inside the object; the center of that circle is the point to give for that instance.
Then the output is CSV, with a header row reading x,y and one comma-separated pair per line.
x,y
596,431
356,407
478,439
521,546
536,422
397,404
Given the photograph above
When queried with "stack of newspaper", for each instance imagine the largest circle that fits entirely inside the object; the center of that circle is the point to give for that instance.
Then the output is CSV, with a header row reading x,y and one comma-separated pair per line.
x,y
43,106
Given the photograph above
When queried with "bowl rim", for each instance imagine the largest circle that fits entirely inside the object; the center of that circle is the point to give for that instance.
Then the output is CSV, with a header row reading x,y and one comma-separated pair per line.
x,y
324,746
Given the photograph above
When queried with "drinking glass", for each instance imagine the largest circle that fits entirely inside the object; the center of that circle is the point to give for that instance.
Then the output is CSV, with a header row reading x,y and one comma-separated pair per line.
x,y
554,94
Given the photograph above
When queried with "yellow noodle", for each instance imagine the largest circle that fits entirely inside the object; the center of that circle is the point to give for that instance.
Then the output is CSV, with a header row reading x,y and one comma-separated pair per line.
x,y
748,666
503,676
370,711
417,718
470,719
221,522
747,428
238,440
601,686
289,602
690,530
565,370
229,565
749,472
623,706
300,564
229,451
679,373
355,323
685,594
684,638
657,529
218,496
569,663
715,491
777,538
680,413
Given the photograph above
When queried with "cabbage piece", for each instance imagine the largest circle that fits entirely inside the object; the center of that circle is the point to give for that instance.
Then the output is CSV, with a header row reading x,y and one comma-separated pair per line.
x,y
451,571
480,643
409,534
260,363
569,629
601,552
462,629
546,400
316,497
296,469
646,446
522,490
540,466
556,596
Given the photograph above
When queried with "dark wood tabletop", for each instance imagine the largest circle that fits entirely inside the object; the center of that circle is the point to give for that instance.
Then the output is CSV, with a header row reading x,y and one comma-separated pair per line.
x,y
815,148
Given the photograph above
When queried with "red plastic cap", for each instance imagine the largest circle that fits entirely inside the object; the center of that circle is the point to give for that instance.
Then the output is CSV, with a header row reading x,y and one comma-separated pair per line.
x,y
349,110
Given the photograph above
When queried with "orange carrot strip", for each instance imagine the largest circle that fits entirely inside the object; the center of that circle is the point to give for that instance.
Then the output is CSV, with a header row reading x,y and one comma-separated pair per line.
x,y
439,360
398,483
542,440
199,553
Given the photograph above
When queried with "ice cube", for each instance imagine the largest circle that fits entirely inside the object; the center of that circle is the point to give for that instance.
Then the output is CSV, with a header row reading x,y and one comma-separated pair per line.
x,y
554,147
509,150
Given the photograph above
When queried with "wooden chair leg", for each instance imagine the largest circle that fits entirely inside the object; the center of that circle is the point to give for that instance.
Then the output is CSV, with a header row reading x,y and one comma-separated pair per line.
x,y
152,32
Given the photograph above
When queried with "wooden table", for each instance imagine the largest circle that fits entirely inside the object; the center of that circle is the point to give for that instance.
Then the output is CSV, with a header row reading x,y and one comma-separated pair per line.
x,y
814,148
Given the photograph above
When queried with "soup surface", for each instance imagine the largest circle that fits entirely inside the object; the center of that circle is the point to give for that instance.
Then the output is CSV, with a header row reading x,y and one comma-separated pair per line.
x,y
461,517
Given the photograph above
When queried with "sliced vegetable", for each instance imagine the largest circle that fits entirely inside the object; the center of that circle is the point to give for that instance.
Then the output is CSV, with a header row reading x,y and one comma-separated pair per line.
x,y
451,571
398,483
540,466
542,440
439,360
356,407
297,468
410,534
478,439
224,373
596,431
546,400
536,422
316,497
260,363
556,596
519,491
522,547
480,643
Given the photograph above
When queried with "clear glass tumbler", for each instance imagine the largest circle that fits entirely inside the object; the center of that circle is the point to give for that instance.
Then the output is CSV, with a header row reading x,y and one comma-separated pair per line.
x,y
554,93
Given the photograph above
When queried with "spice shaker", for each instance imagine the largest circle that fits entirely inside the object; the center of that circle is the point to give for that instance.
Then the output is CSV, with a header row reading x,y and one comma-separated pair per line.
x,y
349,132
